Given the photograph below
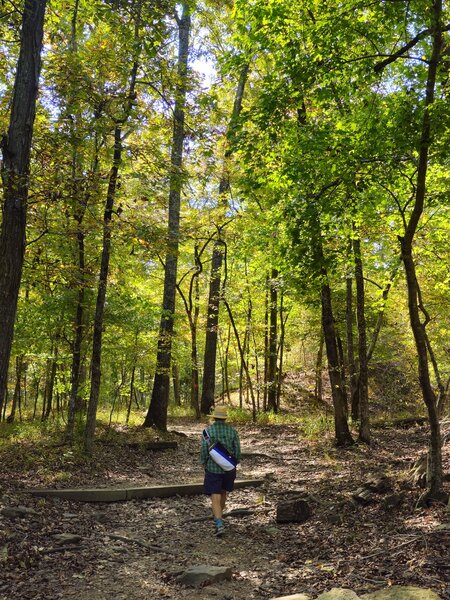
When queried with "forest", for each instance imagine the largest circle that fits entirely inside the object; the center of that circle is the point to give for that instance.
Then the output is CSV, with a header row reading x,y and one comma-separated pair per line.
x,y
239,202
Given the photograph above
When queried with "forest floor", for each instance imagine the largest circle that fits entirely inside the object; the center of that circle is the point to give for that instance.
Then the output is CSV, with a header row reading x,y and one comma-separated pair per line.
x,y
343,543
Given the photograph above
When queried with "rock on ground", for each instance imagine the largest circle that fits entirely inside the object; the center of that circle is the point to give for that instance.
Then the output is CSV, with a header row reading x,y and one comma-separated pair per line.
x,y
398,592
203,575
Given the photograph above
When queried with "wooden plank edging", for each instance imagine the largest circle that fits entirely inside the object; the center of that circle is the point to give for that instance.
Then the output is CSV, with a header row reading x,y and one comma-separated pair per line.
x,y
134,493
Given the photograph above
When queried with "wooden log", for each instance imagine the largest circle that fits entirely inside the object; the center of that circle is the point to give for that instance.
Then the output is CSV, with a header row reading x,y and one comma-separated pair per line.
x,y
133,492
363,496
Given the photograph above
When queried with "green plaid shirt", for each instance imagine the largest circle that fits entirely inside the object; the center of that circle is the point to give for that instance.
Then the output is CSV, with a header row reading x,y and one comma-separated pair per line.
x,y
220,431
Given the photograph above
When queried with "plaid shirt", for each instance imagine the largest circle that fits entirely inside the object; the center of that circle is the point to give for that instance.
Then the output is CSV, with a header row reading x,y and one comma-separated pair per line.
x,y
220,431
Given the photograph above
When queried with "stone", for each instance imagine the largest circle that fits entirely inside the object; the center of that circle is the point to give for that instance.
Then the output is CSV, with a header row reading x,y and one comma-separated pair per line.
x,y
339,594
68,538
399,592
21,512
293,511
201,575
101,517
272,530
293,597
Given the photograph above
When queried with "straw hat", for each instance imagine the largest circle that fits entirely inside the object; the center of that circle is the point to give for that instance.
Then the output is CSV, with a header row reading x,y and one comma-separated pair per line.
x,y
220,412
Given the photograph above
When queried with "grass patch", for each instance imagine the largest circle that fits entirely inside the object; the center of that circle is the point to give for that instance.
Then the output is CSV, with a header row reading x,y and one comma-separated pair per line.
x,y
31,431
316,426
175,412
310,427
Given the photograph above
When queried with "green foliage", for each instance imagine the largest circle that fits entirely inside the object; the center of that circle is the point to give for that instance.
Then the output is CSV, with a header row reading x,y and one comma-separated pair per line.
x,y
325,149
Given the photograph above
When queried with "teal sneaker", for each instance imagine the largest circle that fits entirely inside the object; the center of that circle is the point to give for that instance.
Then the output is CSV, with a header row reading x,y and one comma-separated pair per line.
x,y
219,527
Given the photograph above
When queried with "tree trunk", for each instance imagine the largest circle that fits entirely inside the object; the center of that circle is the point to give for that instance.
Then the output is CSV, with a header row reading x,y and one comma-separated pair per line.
x,y
50,384
212,324
318,388
17,389
157,412
16,147
176,384
341,356
434,478
283,320
242,357
212,320
106,251
342,433
192,307
363,386
195,378
131,393
74,402
101,297
353,377
225,365
272,404
36,396
266,343
194,373
257,373
243,368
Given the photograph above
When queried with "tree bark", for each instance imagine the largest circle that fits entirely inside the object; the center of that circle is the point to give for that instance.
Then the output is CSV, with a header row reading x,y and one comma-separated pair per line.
x,y
74,402
212,324
272,404
283,320
342,432
363,386
266,343
225,365
50,383
17,389
131,393
194,352
101,297
157,412
434,476
16,148
341,356
318,388
352,374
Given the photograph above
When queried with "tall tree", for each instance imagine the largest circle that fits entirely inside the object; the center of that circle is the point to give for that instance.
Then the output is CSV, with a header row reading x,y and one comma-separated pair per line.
x,y
157,412
212,319
16,149
106,246
415,303
271,383
363,386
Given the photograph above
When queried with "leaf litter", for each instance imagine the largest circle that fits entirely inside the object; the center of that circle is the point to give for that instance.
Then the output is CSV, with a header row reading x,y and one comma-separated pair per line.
x,y
137,549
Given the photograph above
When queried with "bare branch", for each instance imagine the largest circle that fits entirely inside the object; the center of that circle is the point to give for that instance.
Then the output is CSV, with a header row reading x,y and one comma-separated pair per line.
x,y
401,51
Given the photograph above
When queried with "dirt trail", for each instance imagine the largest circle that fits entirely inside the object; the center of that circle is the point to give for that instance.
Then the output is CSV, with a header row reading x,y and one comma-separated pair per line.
x,y
344,544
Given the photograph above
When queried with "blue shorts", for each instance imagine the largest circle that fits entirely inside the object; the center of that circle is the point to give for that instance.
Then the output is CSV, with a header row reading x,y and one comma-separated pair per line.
x,y
215,483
